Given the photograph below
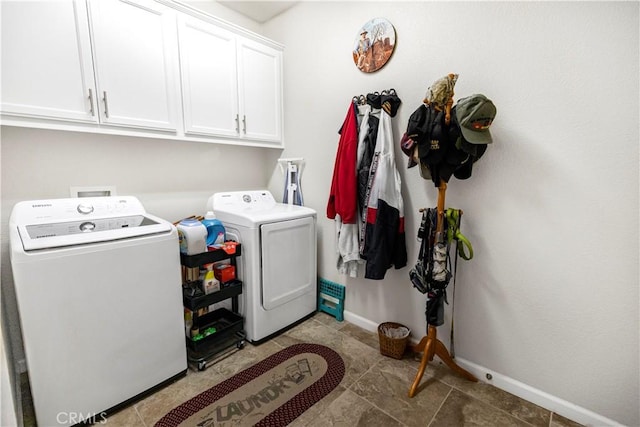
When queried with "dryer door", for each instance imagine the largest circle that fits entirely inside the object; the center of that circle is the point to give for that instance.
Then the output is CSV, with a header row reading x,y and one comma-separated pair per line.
x,y
288,261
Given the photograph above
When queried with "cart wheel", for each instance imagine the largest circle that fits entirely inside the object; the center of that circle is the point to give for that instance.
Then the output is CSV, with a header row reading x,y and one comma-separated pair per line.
x,y
202,366
240,345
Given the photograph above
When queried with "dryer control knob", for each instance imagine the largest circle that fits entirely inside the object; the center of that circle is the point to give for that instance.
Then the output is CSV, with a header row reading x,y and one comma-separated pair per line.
x,y
83,208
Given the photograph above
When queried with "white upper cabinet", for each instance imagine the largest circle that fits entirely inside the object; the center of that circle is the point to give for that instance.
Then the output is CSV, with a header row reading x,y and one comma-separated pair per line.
x,y
48,68
46,60
151,68
209,78
231,85
260,90
136,63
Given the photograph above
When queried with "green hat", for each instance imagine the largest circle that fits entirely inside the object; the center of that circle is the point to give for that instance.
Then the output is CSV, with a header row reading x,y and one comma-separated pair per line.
x,y
475,114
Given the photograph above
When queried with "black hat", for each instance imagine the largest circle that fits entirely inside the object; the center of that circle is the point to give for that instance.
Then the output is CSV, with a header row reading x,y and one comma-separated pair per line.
x,y
390,104
464,171
374,99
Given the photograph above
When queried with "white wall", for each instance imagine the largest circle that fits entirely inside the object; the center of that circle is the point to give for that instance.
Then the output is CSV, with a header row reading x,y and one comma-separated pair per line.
x,y
218,10
550,299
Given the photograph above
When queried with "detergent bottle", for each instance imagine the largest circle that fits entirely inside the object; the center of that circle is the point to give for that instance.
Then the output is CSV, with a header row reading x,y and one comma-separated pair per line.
x,y
192,236
209,282
215,230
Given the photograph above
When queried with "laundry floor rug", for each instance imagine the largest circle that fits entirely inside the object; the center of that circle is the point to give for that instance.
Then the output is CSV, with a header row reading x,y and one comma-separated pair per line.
x,y
273,392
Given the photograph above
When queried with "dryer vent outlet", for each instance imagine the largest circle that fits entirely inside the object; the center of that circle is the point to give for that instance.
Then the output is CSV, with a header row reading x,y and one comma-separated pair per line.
x,y
99,191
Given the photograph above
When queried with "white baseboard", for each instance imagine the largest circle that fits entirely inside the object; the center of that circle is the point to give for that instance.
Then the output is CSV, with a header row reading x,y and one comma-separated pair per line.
x,y
360,321
524,391
539,397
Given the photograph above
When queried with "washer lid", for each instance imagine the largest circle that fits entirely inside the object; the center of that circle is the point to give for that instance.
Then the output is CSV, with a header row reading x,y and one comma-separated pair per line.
x,y
250,208
44,224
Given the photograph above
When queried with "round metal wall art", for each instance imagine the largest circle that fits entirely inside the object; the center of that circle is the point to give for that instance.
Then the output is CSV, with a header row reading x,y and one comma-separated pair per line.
x,y
374,45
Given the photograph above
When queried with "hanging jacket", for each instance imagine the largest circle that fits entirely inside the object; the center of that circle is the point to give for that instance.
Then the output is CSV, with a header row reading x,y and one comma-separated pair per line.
x,y
384,241
366,149
343,202
343,194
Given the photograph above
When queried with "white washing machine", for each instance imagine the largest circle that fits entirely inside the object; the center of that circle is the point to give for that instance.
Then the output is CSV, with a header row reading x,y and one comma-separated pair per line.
x,y
98,288
278,264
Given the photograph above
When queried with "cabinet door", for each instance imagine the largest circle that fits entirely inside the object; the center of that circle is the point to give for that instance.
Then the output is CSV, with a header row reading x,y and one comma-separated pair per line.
x,y
260,89
209,78
46,60
135,56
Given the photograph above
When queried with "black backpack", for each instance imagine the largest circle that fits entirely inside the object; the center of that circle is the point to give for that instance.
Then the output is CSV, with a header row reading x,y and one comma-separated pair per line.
x,y
432,271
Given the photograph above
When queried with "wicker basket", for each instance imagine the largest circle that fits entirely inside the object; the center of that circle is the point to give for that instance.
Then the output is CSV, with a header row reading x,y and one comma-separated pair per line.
x,y
390,346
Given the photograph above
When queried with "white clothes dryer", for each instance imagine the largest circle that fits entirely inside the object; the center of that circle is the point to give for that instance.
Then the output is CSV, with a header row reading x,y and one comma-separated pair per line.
x,y
278,265
98,288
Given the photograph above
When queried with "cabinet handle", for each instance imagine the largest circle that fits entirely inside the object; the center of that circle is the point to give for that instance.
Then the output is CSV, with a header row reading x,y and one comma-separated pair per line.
x,y
244,124
93,113
237,123
106,104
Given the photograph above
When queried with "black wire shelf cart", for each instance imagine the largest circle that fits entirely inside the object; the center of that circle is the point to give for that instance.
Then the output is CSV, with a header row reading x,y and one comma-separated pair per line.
x,y
220,332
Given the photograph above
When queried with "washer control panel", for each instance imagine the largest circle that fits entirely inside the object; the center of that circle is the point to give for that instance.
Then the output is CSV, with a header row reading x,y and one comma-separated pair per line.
x,y
55,210
40,231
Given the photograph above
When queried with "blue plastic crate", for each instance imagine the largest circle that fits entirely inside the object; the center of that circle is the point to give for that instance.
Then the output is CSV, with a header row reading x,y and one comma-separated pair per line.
x,y
331,298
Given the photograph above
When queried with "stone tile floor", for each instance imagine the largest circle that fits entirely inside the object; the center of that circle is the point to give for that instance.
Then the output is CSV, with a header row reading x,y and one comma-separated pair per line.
x,y
372,393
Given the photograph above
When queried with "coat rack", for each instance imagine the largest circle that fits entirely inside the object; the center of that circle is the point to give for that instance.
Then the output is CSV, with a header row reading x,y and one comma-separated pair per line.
x,y
473,116
430,345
